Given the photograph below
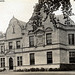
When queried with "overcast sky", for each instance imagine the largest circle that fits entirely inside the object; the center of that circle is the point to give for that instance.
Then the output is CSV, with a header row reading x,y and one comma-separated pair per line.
x,y
21,9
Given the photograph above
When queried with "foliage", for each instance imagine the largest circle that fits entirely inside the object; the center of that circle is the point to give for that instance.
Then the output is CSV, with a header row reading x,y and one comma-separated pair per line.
x,y
44,69
2,70
53,5
50,6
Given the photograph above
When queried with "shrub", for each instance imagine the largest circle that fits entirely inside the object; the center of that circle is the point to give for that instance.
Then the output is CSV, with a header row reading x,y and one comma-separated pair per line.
x,y
26,70
19,70
42,69
50,69
37,69
4,69
32,69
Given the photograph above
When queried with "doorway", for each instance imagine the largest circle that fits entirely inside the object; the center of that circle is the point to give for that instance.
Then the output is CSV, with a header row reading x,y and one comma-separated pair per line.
x,y
10,63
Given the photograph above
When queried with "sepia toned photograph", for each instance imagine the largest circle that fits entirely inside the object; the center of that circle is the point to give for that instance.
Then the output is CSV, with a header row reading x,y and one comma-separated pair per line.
x,y
37,37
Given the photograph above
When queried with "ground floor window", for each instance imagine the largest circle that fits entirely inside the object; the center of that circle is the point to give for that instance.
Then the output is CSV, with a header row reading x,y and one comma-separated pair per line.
x,y
2,60
71,57
32,59
49,57
19,61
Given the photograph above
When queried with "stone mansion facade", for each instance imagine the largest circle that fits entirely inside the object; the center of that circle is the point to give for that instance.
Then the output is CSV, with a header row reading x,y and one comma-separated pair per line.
x,y
48,46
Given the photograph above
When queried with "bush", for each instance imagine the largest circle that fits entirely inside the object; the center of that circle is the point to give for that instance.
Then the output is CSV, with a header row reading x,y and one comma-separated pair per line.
x,y
26,70
2,70
42,69
50,69
32,69
37,69
19,70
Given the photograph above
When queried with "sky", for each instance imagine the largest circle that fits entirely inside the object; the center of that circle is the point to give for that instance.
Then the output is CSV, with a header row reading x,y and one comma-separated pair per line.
x,y
20,9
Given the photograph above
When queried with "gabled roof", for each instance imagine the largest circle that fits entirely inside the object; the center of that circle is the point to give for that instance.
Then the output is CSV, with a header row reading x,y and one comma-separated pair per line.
x,y
62,20
38,30
20,23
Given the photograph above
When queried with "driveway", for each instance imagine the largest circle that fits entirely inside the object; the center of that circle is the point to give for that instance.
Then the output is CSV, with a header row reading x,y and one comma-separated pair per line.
x,y
38,73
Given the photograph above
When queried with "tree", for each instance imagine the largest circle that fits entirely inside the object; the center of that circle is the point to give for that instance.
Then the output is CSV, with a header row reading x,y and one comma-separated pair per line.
x,y
53,5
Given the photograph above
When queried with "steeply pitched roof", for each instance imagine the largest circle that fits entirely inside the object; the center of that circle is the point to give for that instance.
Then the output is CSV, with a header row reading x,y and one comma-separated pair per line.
x,y
62,20
20,23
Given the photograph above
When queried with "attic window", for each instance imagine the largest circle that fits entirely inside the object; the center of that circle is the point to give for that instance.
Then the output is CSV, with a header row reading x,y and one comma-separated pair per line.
x,y
13,30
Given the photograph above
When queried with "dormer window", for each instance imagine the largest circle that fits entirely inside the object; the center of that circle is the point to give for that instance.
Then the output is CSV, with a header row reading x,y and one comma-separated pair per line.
x,y
13,29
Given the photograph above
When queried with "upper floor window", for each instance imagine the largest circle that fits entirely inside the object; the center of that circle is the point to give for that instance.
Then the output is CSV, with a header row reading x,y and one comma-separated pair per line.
x,y
49,57
32,59
10,45
19,61
13,29
17,44
2,49
48,38
72,57
31,41
71,39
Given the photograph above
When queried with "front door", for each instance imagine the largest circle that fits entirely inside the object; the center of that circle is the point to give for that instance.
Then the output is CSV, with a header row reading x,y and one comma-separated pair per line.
x,y
10,63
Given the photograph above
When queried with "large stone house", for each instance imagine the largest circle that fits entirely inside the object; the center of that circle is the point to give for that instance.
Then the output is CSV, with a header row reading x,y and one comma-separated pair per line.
x,y
48,46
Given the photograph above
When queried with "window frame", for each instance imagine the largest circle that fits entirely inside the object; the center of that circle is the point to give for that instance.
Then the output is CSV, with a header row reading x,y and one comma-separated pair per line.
x,y
19,61
2,49
10,45
32,59
2,60
71,57
71,39
18,46
49,57
13,29
31,41
48,39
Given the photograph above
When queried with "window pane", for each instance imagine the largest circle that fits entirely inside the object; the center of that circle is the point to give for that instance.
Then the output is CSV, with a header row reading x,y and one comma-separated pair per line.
x,y
72,57
71,39
32,59
18,58
31,41
17,44
19,61
49,38
49,57
2,62
1,59
2,49
10,45
21,58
